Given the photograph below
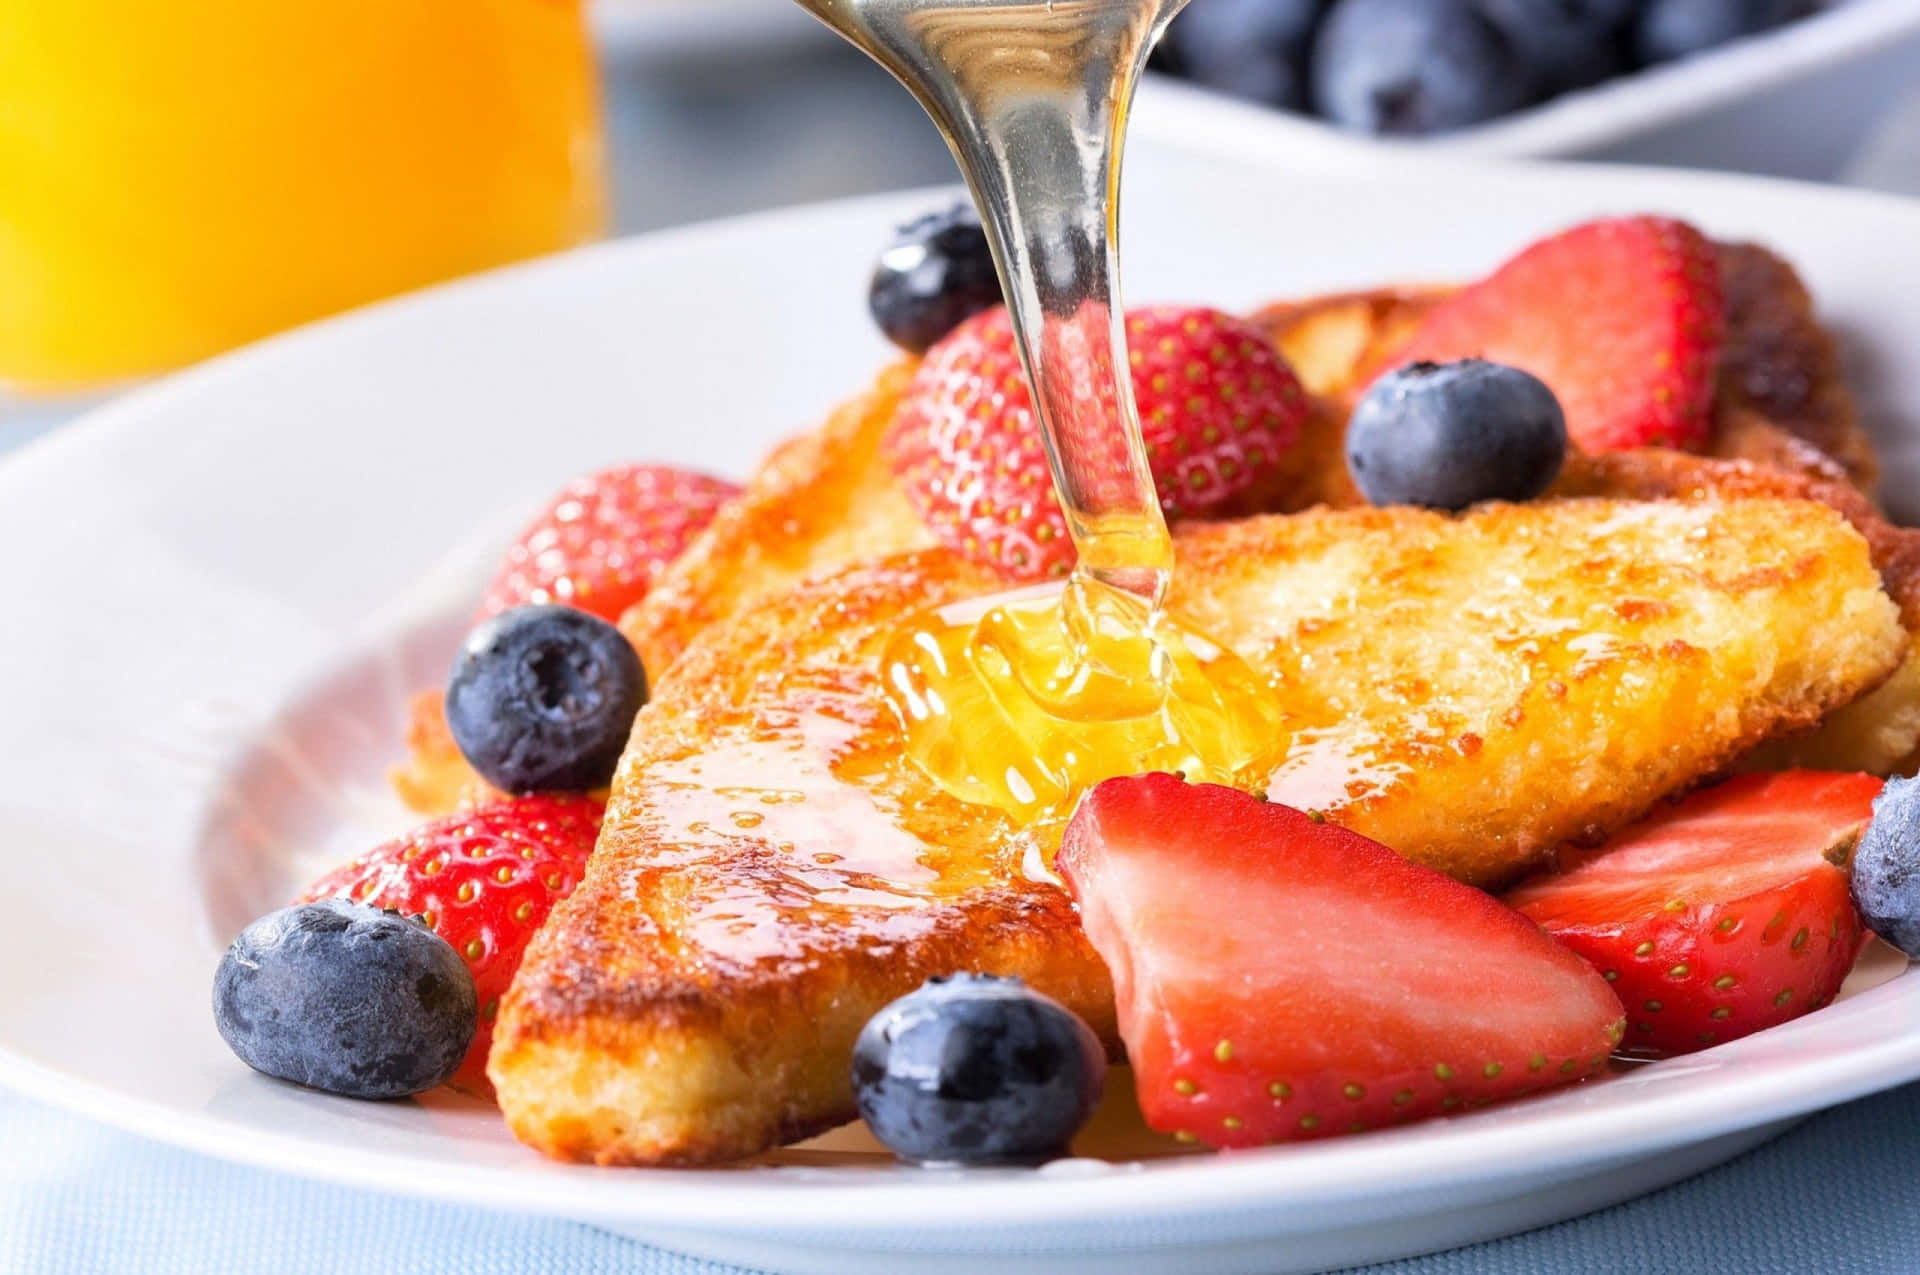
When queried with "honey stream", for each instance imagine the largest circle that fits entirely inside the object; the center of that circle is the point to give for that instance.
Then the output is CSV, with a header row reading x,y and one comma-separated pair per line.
x,y
1022,701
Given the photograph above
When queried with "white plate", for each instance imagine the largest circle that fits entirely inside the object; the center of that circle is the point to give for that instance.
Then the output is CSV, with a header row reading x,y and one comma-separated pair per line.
x,y
1793,101
220,589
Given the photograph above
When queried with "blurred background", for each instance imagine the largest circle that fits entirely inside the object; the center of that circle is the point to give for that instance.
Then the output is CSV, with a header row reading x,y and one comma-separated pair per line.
x,y
176,180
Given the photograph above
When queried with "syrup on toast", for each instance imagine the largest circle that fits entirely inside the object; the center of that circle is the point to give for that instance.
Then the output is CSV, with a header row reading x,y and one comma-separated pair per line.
x,y
1878,733
1472,691
823,501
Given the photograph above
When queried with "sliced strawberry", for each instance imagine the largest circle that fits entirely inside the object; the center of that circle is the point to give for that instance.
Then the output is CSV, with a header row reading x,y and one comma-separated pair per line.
x,y
1622,318
599,543
483,880
1280,977
1719,916
1220,412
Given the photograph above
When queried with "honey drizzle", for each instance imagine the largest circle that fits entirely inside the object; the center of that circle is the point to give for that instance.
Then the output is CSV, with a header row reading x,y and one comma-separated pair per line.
x,y
1025,701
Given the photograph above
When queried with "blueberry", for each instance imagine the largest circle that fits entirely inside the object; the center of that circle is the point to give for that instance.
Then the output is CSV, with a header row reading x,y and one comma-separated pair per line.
x,y
1560,40
1254,49
542,699
1669,29
1600,61
977,1070
1886,867
346,998
1414,66
1448,435
937,271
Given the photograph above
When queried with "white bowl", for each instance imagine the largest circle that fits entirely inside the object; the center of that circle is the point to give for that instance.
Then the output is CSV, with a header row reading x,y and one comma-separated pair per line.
x,y
1791,102
226,585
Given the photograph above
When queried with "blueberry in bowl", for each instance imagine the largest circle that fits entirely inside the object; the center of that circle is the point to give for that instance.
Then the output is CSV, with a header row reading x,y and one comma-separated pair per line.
x,y
1564,43
1417,67
1414,66
971,1069
1253,49
1669,29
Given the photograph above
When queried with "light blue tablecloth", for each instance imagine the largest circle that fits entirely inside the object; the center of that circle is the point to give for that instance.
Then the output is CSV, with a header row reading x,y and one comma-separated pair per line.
x,y
1839,1194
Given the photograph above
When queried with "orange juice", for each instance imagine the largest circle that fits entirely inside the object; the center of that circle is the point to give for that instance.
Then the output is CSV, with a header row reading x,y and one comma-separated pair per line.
x,y
180,176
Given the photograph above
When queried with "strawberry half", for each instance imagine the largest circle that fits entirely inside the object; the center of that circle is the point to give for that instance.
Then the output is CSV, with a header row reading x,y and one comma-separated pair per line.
x,y
1722,915
1280,977
1220,411
483,880
1622,318
599,543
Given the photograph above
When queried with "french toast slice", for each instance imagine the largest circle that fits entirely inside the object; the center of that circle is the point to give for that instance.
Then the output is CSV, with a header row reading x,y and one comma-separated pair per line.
x,y
1472,691
823,501
819,501
1878,733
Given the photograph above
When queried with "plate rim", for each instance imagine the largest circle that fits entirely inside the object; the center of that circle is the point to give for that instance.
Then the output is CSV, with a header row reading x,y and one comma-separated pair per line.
x,y
695,1197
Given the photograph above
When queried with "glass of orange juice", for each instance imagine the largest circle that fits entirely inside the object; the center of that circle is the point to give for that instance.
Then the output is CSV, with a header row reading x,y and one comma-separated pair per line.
x,y
180,176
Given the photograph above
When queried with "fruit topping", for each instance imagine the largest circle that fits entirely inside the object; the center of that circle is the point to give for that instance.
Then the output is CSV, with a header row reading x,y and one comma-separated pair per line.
x,y
347,999
1721,915
1558,40
1669,29
1256,49
1622,318
977,1070
1425,66
542,699
1886,867
1279,977
1219,409
1414,66
601,542
483,880
1449,435
937,272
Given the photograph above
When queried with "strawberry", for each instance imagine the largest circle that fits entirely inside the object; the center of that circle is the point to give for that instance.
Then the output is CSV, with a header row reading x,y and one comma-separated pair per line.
x,y
1719,916
1220,411
1622,318
599,544
484,880
1279,977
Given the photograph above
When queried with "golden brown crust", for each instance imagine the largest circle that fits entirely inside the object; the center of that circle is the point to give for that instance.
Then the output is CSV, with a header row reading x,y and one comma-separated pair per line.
x,y
434,778
1656,474
1782,366
1878,733
824,501
1331,339
772,870
1470,691
819,502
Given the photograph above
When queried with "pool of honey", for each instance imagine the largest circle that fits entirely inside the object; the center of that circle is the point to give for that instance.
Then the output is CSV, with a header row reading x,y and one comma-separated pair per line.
x,y
1023,702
